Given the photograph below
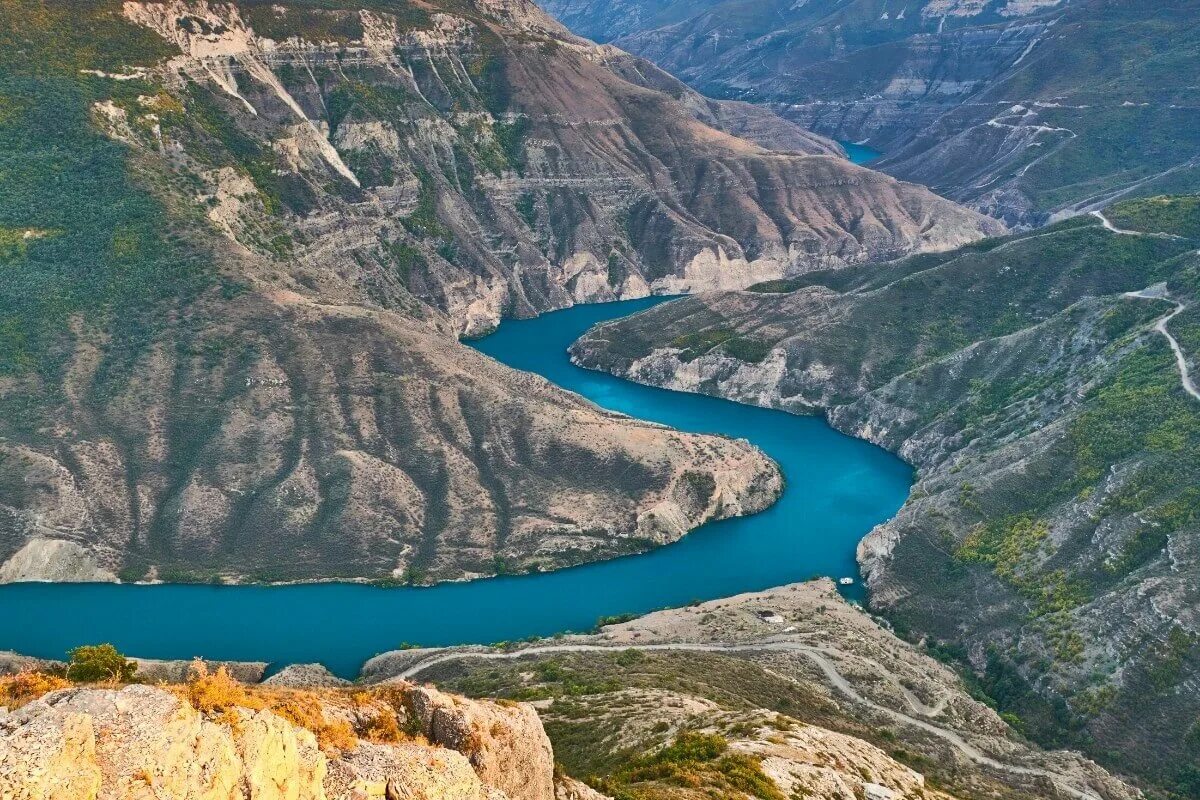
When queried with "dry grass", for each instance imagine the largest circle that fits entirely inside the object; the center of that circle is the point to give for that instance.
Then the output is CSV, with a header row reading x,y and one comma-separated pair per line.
x,y
220,692
25,687
382,727
210,692
304,708
382,714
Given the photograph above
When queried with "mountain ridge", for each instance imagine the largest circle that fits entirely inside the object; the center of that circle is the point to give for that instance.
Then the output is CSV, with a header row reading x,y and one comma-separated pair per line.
x,y
1026,111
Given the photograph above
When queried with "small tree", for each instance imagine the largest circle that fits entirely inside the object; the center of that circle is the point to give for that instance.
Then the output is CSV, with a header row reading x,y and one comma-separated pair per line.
x,y
99,662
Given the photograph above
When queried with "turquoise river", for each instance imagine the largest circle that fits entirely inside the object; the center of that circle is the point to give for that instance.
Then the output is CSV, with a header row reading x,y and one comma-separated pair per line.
x,y
838,488
860,153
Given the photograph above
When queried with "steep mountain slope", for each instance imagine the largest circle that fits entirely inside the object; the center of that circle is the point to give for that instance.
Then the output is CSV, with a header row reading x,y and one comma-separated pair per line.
x,y
1054,422
1018,108
507,167
238,243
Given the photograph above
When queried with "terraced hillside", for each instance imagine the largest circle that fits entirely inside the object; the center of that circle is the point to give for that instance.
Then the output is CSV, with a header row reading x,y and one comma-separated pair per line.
x,y
1042,386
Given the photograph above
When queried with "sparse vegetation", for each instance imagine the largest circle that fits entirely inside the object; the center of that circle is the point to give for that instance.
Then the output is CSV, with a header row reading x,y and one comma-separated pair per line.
x,y
218,692
697,761
25,687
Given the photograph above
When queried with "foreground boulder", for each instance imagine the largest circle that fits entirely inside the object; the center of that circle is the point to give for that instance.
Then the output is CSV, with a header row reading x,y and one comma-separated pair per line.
x,y
148,742
504,742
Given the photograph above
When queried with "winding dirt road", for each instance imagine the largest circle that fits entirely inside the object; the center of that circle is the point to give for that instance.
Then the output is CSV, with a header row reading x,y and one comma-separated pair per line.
x,y
1159,292
816,655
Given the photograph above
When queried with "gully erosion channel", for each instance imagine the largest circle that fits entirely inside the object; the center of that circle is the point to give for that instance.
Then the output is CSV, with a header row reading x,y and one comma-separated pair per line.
x,y
838,488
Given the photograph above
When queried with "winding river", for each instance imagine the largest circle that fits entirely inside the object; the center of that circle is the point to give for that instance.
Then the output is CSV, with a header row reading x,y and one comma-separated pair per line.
x,y
838,488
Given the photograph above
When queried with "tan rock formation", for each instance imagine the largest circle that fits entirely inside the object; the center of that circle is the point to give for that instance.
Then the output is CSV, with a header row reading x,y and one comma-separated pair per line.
x,y
142,743
505,743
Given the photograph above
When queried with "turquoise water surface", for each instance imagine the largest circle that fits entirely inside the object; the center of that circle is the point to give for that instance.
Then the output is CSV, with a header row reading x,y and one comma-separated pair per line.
x,y
837,489
860,153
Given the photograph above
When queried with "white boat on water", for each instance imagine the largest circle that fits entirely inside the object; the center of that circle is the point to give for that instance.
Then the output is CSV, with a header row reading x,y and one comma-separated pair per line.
x,y
846,581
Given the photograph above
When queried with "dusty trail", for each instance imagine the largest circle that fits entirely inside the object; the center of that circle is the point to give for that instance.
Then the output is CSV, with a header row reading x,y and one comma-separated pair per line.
x,y
1108,226
1159,292
817,655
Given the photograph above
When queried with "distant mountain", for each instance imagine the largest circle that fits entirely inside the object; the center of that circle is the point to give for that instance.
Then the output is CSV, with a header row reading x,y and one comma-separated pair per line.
x,y
1022,109
1054,422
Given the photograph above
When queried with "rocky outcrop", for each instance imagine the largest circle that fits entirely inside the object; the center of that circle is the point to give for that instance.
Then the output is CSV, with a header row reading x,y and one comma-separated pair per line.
x,y
138,741
386,771
504,743
14,663
305,675
571,789
1059,546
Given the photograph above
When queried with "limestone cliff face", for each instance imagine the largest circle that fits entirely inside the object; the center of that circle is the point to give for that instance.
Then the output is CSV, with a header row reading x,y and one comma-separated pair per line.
x,y
144,742
527,168
141,741
504,743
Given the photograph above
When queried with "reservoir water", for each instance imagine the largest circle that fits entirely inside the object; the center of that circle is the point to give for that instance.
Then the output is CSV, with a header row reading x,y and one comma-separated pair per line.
x,y
860,153
838,488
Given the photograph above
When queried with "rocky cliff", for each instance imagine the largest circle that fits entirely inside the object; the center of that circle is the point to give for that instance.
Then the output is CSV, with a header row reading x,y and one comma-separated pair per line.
x,y
239,242
509,167
1023,109
1043,388
277,744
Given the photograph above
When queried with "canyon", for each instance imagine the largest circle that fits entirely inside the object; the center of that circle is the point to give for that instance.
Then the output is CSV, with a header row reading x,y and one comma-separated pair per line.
x,y
1028,111
1046,541
273,226
242,247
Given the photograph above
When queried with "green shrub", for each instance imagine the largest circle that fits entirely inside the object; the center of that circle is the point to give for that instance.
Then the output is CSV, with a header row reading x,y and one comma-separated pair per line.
x,y
746,349
99,662
1178,216
697,344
